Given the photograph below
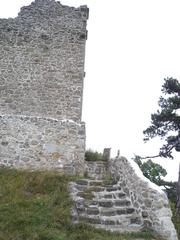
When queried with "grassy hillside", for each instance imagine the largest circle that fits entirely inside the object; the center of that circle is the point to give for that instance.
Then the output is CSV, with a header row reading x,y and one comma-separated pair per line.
x,y
36,206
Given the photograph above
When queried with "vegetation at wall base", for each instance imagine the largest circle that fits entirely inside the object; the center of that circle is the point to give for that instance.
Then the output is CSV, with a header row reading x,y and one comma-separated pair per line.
x,y
36,206
93,156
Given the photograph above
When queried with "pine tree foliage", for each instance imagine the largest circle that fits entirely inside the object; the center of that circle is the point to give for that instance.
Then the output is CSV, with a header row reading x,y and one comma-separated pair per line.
x,y
165,123
153,171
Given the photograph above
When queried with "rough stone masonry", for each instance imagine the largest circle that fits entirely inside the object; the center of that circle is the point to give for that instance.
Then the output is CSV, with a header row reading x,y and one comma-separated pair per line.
x,y
42,54
128,202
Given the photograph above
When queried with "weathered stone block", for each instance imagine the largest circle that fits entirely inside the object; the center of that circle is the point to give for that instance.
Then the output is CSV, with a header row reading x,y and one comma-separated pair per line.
x,y
108,212
107,204
111,189
136,220
121,195
109,222
82,182
144,214
95,183
148,203
130,210
120,203
92,220
92,211
121,211
148,224
108,196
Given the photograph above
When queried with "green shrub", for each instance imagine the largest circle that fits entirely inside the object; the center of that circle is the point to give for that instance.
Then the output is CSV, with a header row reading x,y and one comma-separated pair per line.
x,y
91,155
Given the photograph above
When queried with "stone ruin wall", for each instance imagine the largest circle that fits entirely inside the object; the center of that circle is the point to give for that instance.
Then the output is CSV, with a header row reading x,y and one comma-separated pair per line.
x,y
150,202
42,53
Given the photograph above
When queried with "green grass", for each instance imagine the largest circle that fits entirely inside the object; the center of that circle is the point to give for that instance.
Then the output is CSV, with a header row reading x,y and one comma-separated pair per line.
x,y
36,206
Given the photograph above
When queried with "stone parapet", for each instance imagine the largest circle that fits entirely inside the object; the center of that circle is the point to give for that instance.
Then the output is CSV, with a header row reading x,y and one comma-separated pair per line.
x,y
149,201
36,143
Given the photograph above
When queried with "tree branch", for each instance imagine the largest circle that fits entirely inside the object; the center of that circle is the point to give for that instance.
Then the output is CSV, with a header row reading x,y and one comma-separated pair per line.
x,y
151,156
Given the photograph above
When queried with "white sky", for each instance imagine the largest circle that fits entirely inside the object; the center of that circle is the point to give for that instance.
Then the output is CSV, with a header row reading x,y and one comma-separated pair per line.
x,y
132,46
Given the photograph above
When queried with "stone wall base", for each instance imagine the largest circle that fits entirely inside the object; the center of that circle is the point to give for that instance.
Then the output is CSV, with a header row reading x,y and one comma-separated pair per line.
x,y
42,144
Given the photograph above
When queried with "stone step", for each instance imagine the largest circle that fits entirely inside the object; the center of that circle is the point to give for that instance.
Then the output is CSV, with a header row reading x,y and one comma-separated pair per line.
x,y
136,220
86,183
110,195
90,220
122,202
125,211
92,203
96,183
104,206
107,196
107,203
103,211
108,212
121,194
92,211
120,228
116,211
112,220
83,182
112,188
83,191
98,189
80,187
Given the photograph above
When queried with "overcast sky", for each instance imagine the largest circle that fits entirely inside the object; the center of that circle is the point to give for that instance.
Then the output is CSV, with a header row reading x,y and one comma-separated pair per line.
x,y
132,46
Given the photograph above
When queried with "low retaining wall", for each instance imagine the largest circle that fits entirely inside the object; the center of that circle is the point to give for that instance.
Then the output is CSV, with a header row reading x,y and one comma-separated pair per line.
x,y
97,169
42,143
150,202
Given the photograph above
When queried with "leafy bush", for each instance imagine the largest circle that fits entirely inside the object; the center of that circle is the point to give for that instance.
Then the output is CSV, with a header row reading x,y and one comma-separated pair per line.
x,y
91,155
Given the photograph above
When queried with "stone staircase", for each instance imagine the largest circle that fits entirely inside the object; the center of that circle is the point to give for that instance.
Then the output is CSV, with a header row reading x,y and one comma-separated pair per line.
x,y
103,205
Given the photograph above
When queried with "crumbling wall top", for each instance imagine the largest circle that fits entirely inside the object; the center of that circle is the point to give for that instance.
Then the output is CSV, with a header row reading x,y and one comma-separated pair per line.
x,y
52,8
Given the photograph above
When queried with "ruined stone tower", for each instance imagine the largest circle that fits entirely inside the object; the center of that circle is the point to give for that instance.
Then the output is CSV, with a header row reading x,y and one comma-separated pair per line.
x,y
42,54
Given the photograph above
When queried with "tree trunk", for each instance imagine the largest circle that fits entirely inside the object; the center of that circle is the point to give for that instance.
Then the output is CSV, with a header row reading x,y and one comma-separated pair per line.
x,y
178,195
